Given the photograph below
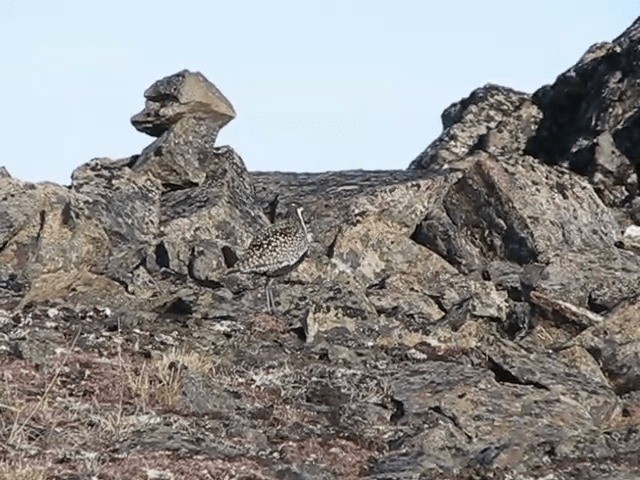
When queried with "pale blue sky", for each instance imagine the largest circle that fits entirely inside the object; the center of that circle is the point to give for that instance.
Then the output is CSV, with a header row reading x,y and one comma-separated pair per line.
x,y
317,85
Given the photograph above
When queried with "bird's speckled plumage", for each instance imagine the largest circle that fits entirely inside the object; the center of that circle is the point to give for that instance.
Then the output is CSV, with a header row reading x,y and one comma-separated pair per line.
x,y
276,250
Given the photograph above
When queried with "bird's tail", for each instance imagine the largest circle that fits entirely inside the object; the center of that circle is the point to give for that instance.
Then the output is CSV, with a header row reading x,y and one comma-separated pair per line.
x,y
230,258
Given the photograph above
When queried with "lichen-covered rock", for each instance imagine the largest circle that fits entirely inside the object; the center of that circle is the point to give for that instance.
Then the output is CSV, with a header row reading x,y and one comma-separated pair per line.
x,y
179,157
520,211
590,118
186,112
615,344
195,223
13,286
595,278
176,96
33,236
493,118
517,401
116,211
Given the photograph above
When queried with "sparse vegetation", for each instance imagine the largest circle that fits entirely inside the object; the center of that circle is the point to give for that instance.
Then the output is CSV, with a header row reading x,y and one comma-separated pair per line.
x,y
10,471
120,409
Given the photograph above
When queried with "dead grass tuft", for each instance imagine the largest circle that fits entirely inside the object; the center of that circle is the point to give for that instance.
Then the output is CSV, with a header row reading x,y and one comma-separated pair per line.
x,y
83,402
24,415
85,408
21,472
159,382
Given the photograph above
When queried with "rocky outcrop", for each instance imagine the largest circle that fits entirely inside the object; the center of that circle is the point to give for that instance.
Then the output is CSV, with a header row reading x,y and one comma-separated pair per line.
x,y
584,121
496,119
473,316
589,118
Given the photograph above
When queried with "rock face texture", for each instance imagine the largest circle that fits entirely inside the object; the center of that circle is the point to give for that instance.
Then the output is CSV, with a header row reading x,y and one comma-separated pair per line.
x,y
474,316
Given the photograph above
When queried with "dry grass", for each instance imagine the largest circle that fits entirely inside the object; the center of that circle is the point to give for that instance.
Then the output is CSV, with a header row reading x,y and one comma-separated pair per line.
x,y
25,412
85,402
19,472
163,465
158,383
88,410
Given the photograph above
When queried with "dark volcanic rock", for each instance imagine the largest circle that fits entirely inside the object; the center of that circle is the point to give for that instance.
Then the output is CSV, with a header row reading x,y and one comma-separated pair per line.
x,y
474,316
116,203
489,214
590,118
183,94
615,344
496,119
220,212
12,286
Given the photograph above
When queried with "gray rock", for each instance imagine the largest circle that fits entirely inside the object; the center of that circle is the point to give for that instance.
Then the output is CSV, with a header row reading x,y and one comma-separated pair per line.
x,y
182,94
488,214
114,203
615,344
13,286
590,115
220,212
179,157
496,119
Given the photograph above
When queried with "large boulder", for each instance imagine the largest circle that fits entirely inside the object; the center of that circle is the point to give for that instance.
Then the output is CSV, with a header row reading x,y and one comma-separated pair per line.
x,y
186,112
197,222
519,211
497,119
176,96
181,198
590,118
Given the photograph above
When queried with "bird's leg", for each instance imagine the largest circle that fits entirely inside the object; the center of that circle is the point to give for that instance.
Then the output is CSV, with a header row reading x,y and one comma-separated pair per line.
x,y
267,293
273,302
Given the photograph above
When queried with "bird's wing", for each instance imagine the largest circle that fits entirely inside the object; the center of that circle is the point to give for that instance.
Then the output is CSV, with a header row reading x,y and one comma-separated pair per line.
x,y
267,235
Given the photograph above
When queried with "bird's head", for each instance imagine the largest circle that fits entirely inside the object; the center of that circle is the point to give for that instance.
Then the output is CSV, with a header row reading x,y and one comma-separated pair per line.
x,y
295,210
